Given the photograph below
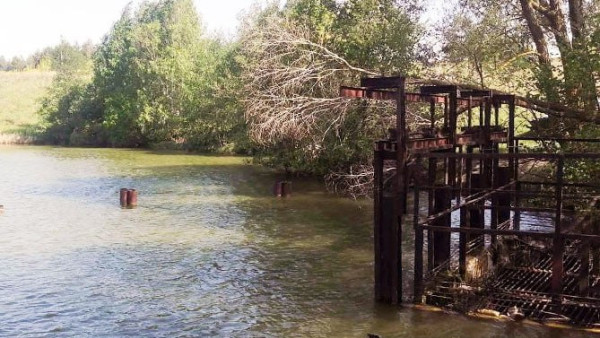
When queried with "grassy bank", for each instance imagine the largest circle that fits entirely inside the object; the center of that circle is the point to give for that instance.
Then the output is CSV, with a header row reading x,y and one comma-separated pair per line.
x,y
20,99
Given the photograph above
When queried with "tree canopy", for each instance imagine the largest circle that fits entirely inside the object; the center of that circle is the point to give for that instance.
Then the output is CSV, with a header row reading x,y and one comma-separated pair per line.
x,y
158,79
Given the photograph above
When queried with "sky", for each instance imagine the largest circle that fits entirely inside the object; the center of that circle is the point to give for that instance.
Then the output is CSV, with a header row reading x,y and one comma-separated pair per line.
x,y
27,26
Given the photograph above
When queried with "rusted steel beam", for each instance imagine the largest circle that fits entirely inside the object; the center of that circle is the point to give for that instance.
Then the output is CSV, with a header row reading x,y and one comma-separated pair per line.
x,y
479,138
468,139
386,94
428,143
498,232
583,237
503,98
440,90
401,179
376,94
389,95
477,93
383,82
515,177
432,178
579,185
470,112
452,123
511,133
559,139
417,97
476,198
517,156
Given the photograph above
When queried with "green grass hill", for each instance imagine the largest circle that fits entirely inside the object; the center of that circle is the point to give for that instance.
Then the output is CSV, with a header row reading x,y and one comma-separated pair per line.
x,y
20,99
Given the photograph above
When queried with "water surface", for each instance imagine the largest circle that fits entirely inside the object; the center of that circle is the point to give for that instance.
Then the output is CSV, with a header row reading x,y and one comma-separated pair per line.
x,y
208,252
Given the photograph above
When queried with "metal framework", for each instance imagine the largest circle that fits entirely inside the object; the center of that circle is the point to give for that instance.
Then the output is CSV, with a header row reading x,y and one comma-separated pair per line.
x,y
489,236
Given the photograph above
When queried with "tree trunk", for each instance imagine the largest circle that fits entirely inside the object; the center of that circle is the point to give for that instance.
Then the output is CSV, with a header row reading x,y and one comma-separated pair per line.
x,y
579,83
541,46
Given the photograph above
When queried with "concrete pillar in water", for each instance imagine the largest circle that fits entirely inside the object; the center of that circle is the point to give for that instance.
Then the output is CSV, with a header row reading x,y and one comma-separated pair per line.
x,y
123,197
132,196
282,189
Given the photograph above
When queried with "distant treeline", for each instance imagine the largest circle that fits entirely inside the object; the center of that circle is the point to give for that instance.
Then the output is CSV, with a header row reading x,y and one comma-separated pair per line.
x,y
64,55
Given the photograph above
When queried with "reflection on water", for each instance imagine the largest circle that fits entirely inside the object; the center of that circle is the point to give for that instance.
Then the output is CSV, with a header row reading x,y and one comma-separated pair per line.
x,y
208,253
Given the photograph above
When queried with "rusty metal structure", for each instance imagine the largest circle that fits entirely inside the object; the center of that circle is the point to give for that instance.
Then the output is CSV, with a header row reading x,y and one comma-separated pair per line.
x,y
501,224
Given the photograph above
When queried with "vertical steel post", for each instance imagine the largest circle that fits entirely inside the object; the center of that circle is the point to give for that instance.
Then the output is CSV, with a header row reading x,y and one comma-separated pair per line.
x,y
418,276
558,242
377,214
401,184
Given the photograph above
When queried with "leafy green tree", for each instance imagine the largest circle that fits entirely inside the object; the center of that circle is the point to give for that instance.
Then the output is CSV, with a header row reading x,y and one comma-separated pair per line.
x,y
486,48
145,71
376,34
71,111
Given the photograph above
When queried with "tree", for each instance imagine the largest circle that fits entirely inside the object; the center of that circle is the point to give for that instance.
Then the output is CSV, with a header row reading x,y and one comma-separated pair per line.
x,y
145,70
571,35
294,64
17,63
487,47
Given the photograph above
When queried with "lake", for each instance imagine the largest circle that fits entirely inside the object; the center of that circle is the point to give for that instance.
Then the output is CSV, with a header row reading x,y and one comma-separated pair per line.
x,y
208,252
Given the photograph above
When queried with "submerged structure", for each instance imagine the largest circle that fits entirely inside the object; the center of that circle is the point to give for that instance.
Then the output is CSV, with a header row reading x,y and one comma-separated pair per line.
x,y
503,223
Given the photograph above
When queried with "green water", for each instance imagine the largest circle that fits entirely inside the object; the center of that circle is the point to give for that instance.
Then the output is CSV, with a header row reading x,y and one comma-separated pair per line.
x,y
208,252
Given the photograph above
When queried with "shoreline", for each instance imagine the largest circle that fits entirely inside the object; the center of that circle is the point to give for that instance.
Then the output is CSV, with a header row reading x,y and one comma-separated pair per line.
x,y
17,139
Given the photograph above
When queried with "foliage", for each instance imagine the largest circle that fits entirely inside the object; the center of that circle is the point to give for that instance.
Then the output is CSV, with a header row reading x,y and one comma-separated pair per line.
x,y
60,57
71,112
20,95
295,61
155,79
488,48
